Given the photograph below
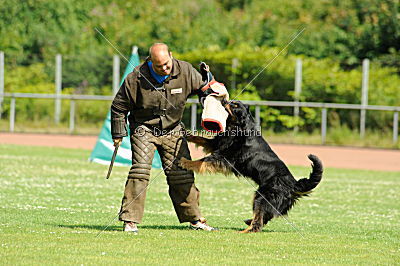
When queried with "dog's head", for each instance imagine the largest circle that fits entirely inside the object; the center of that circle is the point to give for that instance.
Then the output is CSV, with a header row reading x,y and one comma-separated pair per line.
x,y
239,114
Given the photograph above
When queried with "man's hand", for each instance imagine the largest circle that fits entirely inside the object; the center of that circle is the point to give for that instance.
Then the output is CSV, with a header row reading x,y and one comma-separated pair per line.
x,y
117,142
205,73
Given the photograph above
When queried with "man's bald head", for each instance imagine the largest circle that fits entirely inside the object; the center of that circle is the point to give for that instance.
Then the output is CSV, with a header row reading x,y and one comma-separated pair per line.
x,y
158,48
162,58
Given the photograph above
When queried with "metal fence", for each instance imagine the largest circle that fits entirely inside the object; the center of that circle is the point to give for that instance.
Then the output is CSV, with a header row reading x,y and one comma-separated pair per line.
x,y
194,102
296,103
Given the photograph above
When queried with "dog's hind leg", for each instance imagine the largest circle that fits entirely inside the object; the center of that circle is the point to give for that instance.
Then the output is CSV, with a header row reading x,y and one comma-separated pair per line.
x,y
267,218
264,209
257,222
248,221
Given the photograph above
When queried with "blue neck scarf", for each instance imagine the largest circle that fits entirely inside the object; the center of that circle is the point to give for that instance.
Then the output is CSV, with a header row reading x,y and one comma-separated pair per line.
x,y
159,78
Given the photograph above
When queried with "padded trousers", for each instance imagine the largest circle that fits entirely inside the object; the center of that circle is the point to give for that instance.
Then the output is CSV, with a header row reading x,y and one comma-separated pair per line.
x,y
182,190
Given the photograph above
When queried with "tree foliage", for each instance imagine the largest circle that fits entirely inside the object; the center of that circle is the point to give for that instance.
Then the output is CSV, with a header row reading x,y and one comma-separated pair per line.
x,y
346,30
337,36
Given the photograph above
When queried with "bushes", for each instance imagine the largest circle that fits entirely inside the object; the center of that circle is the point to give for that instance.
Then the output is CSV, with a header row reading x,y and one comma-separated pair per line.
x,y
323,81
33,79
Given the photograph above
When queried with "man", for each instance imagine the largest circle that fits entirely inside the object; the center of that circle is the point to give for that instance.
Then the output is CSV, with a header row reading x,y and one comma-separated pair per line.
x,y
154,95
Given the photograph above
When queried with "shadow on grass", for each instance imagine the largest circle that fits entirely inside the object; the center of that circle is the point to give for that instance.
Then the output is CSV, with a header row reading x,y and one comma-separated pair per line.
x,y
156,227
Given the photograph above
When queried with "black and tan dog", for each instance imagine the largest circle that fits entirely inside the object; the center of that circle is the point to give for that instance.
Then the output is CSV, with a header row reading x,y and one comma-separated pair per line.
x,y
241,150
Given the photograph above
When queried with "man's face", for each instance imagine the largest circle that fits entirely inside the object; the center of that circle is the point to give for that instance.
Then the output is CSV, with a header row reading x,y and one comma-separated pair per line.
x,y
162,63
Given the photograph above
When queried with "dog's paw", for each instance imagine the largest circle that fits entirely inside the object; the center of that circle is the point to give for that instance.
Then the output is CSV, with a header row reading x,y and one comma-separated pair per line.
x,y
247,230
250,229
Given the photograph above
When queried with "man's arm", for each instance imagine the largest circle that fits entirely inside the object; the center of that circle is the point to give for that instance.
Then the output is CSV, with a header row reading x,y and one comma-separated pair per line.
x,y
119,110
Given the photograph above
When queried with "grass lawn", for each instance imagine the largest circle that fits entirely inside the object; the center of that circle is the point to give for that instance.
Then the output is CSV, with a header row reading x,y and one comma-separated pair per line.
x,y
55,205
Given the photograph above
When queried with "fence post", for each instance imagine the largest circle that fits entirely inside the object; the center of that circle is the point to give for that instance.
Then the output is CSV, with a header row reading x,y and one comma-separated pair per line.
x,y
1,81
12,114
323,125
235,63
395,126
193,117
58,89
72,116
116,77
364,96
257,116
297,90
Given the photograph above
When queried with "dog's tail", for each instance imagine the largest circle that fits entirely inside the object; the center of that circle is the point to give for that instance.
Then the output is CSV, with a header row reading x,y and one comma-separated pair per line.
x,y
305,185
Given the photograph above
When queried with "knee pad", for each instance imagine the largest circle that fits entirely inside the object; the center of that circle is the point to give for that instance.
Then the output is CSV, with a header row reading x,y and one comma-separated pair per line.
x,y
176,177
140,171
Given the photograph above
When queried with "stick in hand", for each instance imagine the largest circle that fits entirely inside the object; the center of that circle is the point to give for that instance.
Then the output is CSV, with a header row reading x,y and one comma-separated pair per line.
x,y
116,144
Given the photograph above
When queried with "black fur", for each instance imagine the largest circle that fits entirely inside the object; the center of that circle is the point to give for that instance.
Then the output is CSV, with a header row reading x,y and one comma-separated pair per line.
x,y
241,150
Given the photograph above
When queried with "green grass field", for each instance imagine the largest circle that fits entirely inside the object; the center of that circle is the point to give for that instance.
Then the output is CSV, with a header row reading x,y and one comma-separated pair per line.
x,y
55,205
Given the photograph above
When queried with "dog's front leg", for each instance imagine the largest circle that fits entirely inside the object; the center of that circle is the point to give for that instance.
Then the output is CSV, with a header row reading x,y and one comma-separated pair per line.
x,y
209,164
206,144
200,141
195,166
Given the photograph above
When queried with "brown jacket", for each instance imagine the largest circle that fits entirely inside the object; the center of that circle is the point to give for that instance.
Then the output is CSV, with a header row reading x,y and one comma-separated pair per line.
x,y
151,103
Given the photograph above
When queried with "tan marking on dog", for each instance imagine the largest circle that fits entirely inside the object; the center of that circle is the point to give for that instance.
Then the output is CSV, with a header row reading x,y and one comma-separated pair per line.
x,y
203,167
247,230
257,218
201,142
190,165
